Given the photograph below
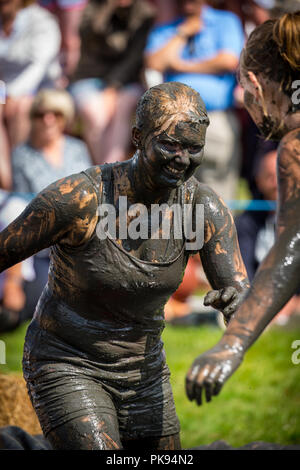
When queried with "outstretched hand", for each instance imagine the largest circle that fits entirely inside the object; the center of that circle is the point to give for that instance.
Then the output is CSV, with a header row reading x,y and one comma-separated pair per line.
x,y
227,300
210,371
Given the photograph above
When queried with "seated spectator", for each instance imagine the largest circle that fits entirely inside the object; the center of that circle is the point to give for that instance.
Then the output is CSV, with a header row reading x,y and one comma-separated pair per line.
x,y
256,229
29,48
68,13
49,154
108,80
201,48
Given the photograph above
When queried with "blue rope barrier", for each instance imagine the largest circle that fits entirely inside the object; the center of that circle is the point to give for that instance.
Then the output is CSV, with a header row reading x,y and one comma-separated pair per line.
x,y
252,205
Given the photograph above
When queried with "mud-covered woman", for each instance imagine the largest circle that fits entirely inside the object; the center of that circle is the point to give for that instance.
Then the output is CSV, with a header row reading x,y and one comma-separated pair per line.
x,y
93,359
269,74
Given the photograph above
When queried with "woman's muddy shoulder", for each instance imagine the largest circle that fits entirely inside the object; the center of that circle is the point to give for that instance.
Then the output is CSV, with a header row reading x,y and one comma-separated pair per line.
x,y
205,194
291,140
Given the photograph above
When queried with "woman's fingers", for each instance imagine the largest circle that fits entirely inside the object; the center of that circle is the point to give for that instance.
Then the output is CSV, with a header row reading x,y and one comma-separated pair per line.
x,y
211,297
190,382
219,298
203,379
229,293
218,386
198,394
210,371
231,308
211,382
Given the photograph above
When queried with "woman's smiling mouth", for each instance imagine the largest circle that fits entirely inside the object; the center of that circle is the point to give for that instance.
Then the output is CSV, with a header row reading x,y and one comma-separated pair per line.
x,y
175,170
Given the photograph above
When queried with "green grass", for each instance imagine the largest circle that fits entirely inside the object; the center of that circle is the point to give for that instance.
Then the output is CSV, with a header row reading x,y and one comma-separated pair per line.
x,y
243,191
14,342
260,402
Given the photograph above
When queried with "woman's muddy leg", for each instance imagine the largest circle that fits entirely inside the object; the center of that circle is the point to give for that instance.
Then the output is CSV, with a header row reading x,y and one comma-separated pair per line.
x,y
74,410
89,432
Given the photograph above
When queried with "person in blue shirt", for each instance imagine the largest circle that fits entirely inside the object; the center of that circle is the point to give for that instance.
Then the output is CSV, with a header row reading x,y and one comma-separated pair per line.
x,y
201,48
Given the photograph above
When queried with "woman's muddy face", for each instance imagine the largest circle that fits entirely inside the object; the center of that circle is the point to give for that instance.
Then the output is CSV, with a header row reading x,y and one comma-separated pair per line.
x,y
172,154
253,106
268,119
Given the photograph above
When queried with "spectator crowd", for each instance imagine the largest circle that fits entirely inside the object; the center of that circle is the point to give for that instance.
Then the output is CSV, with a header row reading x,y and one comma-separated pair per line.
x,y
71,74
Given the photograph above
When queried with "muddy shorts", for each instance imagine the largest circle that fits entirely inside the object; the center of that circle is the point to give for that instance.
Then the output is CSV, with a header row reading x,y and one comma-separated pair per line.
x,y
66,386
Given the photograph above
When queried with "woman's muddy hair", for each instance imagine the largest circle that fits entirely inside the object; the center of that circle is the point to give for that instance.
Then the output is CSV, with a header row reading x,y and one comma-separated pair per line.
x,y
165,100
273,49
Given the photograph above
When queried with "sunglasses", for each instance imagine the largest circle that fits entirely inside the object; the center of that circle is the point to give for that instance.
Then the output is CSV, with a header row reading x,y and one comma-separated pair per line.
x,y
42,114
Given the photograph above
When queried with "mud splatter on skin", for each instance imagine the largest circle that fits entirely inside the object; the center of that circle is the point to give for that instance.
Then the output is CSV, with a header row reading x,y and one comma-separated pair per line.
x,y
270,129
268,126
248,99
104,305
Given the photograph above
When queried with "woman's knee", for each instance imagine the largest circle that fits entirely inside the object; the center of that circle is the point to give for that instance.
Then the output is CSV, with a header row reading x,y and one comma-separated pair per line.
x,y
88,432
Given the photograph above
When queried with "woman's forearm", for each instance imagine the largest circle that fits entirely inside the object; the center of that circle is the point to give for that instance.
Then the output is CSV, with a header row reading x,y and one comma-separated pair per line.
x,y
277,278
274,284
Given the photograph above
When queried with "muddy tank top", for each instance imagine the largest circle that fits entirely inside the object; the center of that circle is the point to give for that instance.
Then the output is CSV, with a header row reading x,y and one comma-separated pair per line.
x,y
105,302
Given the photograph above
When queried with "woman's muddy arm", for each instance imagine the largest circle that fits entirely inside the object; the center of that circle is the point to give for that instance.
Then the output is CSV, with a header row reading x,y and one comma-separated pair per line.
x,y
275,282
277,278
221,257
64,212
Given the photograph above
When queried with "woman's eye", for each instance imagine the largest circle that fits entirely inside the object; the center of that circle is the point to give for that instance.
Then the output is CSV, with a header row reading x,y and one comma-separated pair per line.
x,y
169,146
195,149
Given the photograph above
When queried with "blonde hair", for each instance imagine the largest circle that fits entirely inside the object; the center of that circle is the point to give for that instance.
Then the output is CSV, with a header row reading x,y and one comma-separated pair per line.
x,y
286,33
273,49
56,101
